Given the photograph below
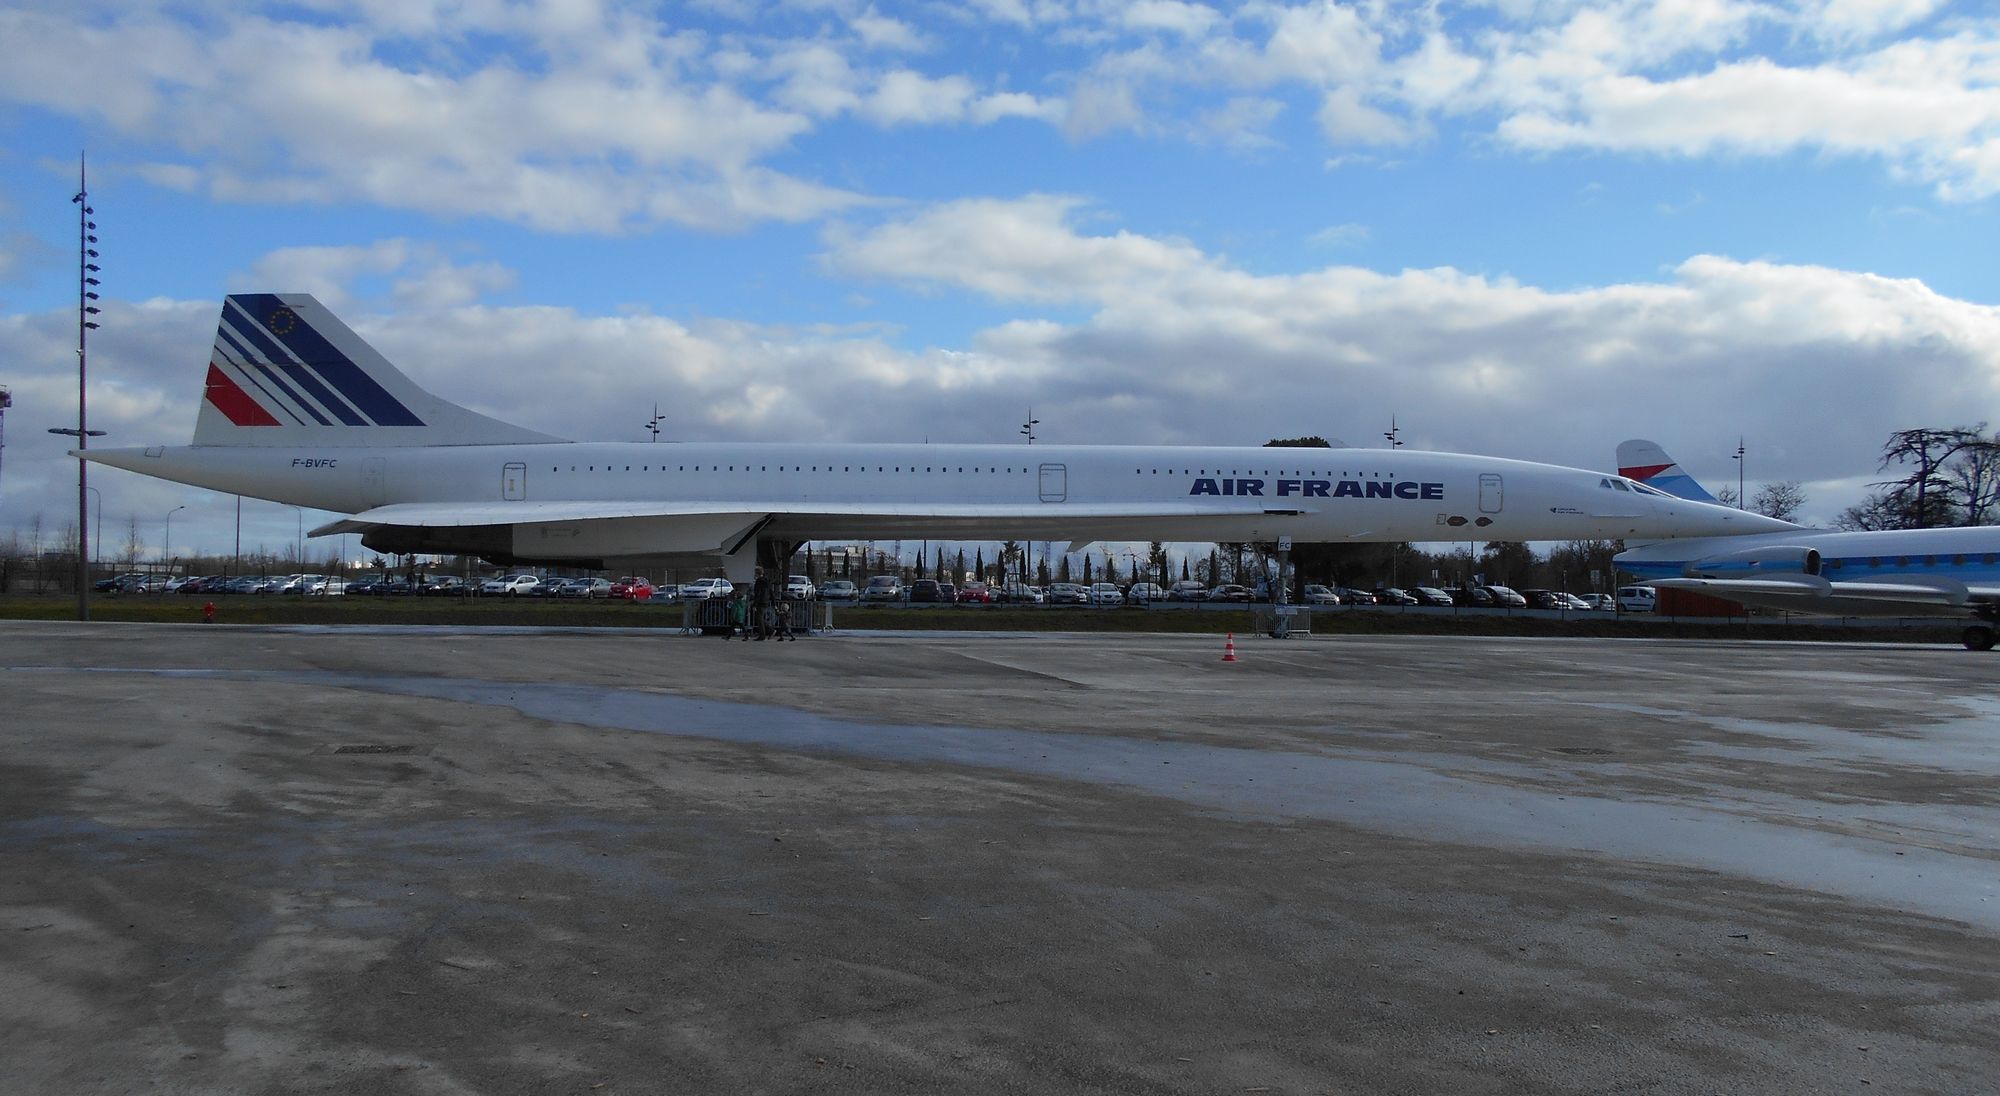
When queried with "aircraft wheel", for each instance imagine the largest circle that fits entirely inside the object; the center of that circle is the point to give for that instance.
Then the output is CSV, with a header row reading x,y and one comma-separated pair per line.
x,y
1978,638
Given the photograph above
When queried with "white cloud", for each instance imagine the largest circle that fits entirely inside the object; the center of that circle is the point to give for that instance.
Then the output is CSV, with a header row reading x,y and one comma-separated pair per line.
x,y
1023,250
878,31
417,276
1173,16
904,96
1346,119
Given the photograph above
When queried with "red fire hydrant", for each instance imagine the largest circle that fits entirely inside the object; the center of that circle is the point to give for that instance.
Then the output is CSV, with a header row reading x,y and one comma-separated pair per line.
x,y
208,612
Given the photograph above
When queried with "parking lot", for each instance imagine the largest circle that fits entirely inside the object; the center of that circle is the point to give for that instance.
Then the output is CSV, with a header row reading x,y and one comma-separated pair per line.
x,y
438,860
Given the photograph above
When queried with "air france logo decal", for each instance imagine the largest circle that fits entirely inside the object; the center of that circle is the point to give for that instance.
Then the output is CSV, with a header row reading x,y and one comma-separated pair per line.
x,y
1320,489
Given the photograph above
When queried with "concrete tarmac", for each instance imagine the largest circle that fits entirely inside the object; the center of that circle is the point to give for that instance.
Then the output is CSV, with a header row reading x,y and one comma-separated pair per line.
x,y
412,860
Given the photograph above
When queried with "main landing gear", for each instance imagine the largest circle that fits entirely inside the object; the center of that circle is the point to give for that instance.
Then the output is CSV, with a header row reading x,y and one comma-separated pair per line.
x,y
1978,637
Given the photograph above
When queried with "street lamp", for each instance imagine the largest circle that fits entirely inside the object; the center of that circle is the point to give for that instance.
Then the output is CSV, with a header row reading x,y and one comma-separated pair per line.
x,y
300,551
168,549
1738,458
1028,428
99,539
86,295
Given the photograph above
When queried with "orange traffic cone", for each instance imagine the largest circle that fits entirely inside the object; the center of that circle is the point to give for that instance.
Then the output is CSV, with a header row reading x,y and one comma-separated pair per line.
x,y
1229,648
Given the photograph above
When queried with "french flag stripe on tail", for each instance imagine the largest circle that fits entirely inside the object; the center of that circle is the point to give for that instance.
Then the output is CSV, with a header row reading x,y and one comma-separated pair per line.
x,y
234,403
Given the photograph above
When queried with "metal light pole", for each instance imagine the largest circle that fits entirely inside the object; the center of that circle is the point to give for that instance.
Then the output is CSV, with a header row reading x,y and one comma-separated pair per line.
x,y
1738,458
168,549
86,237
100,517
301,549
1028,428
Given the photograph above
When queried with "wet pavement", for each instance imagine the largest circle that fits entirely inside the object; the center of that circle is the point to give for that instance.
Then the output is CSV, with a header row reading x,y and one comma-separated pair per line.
x,y
447,860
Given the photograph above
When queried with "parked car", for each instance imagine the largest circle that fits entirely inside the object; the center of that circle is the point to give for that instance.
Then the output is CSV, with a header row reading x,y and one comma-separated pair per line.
x,y
975,593
438,586
948,592
1106,594
1315,594
115,582
331,587
798,588
1188,590
1541,599
1601,602
1506,598
301,585
883,588
585,588
1145,593
1350,596
1021,593
703,588
1637,599
1431,595
926,591
1390,595
1230,591
838,589
1575,603
1473,597
509,586
632,588
1068,593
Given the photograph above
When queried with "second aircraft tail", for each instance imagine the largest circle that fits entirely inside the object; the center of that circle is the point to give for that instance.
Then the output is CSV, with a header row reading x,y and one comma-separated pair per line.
x,y
1649,464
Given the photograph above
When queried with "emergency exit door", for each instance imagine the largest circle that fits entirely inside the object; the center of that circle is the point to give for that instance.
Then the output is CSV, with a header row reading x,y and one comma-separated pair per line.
x,y
514,482
1490,492
1055,482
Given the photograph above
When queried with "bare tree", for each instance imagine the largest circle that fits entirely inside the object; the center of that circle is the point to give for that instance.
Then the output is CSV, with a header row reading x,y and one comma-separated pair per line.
x,y
1928,496
133,545
1975,475
1779,500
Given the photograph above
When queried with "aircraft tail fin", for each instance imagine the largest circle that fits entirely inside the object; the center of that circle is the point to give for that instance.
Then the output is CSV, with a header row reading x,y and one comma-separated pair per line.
x,y
286,372
1648,463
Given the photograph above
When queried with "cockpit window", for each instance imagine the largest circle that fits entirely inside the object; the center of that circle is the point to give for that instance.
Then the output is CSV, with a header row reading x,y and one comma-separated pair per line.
x,y
1645,490
1620,485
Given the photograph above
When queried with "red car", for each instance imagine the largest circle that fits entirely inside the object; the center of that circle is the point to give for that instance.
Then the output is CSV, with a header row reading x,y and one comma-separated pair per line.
x,y
975,592
632,588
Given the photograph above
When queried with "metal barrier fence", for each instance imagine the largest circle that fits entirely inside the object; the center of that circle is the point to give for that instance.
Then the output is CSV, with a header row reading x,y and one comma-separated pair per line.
x,y
731,616
1280,621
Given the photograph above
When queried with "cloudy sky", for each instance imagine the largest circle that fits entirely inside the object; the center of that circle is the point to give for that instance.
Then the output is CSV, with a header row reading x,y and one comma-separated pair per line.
x,y
1529,228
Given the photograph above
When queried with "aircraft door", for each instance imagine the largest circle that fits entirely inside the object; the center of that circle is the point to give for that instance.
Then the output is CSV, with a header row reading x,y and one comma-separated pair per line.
x,y
1490,492
374,477
513,483
1055,482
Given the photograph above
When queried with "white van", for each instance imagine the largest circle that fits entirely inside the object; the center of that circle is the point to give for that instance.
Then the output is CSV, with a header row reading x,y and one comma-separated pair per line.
x,y
1636,599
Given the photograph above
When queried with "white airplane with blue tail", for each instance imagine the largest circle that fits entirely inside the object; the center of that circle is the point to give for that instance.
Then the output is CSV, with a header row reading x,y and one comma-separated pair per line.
x,y
1825,572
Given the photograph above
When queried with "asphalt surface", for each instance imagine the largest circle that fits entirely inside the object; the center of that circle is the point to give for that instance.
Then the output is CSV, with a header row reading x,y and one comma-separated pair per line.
x,y
408,860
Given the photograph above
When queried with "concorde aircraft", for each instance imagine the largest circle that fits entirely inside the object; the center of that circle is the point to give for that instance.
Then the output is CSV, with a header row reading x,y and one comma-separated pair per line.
x,y
299,410
1951,573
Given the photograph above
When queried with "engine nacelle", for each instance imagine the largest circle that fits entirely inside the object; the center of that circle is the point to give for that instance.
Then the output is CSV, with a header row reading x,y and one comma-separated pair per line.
x,y
1752,562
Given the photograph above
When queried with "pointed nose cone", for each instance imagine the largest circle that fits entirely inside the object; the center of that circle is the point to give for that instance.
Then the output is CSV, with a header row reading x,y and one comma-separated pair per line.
x,y
1715,520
